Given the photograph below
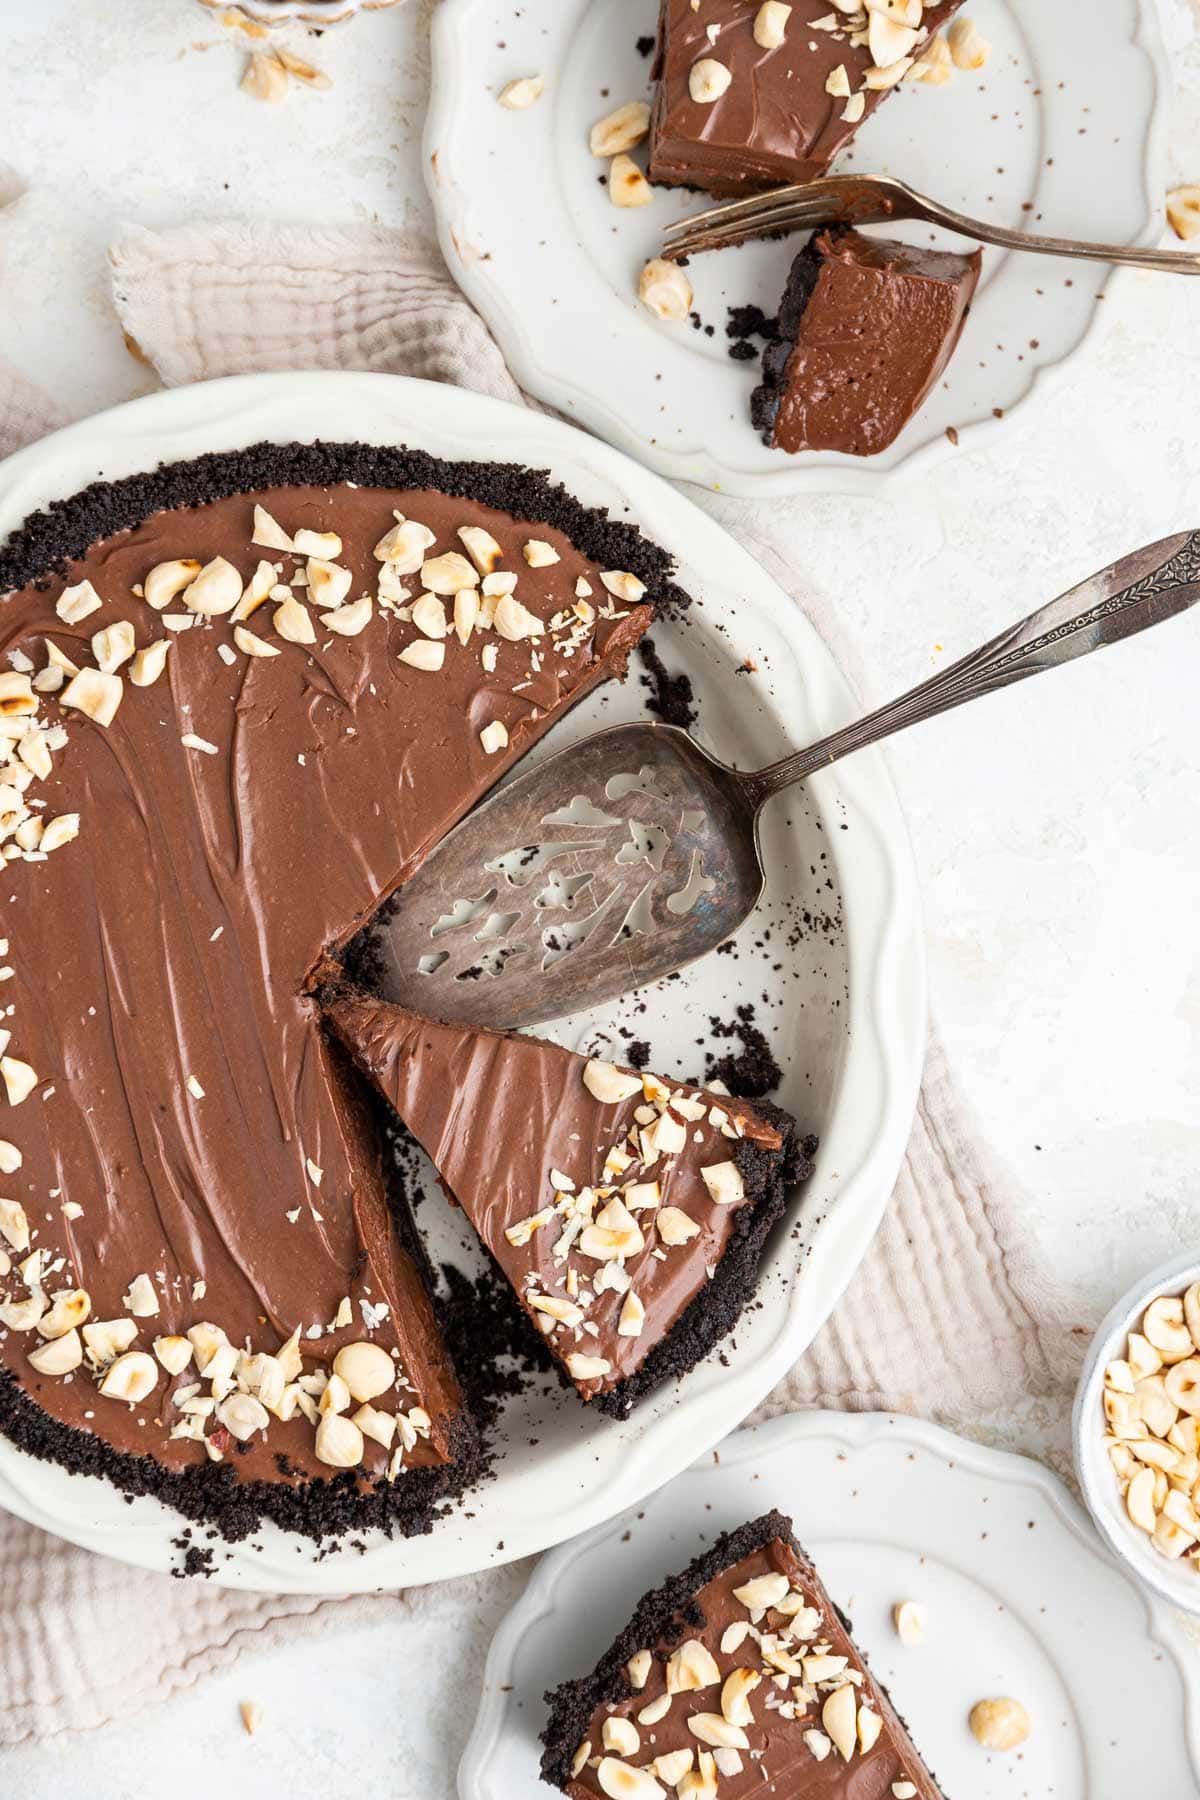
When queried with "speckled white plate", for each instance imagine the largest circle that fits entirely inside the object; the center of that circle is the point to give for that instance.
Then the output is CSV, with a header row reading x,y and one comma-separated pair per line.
x,y
1062,132
845,1006
1020,1600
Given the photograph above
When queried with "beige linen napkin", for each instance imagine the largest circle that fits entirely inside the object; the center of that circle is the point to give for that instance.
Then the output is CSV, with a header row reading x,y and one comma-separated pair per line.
x,y
949,1315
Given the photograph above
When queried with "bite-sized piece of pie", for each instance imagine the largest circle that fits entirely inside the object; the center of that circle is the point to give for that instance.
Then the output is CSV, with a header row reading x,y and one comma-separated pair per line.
x,y
866,326
737,1679
750,96
629,1213
241,699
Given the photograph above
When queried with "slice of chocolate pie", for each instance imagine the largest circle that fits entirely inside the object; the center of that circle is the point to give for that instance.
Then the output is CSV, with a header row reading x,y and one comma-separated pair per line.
x,y
750,96
737,1679
629,1213
866,326
241,698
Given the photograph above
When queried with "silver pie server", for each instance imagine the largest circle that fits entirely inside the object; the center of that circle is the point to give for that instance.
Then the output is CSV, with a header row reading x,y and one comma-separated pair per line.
x,y
634,852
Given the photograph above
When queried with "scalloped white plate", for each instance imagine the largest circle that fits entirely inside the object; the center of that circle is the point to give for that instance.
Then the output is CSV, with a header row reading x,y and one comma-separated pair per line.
x,y
1062,131
846,1008
1020,1600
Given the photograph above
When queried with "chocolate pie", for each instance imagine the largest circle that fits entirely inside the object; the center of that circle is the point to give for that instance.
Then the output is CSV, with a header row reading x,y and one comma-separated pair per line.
x,y
240,700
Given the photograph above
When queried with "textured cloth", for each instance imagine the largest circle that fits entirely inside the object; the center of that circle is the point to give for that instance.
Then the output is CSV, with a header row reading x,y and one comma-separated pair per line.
x,y
949,1315
234,300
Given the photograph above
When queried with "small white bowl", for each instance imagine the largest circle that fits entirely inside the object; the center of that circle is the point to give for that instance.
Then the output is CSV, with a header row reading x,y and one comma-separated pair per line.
x,y
1178,1582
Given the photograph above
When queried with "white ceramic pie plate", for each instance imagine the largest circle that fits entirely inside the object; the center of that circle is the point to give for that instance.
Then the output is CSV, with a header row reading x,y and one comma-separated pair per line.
x,y
1020,1599
844,1006
1062,131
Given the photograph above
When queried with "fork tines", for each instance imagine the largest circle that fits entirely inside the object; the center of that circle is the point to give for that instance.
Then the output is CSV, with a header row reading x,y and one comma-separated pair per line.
x,y
801,206
785,210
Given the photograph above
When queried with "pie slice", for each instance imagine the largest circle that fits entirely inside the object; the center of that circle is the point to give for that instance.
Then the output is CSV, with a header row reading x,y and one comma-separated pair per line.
x,y
866,326
628,1213
748,96
737,1679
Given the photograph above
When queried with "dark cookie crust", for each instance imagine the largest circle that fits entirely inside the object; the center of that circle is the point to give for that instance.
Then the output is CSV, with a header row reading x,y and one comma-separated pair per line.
x,y
671,697
661,1616
764,401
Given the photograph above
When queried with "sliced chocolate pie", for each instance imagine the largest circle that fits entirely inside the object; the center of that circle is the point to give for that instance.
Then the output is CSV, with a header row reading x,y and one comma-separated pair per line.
x,y
241,698
866,326
629,1213
737,1679
750,96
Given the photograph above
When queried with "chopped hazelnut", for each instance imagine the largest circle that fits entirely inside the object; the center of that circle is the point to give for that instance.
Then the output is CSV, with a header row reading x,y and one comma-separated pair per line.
x,y
1000,1724
968,48
265,77
620,130
708,79
627,186
424,654
665,289
770,24
522,93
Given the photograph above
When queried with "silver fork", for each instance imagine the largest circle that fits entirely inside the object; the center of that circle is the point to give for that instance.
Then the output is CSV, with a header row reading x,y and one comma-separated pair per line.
x,y
874,200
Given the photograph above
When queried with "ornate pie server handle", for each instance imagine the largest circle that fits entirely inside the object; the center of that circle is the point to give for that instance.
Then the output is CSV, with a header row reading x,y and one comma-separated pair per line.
x,y
1130,595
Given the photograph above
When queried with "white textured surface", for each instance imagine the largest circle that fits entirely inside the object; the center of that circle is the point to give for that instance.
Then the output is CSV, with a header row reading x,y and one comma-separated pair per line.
x,y
1058,833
